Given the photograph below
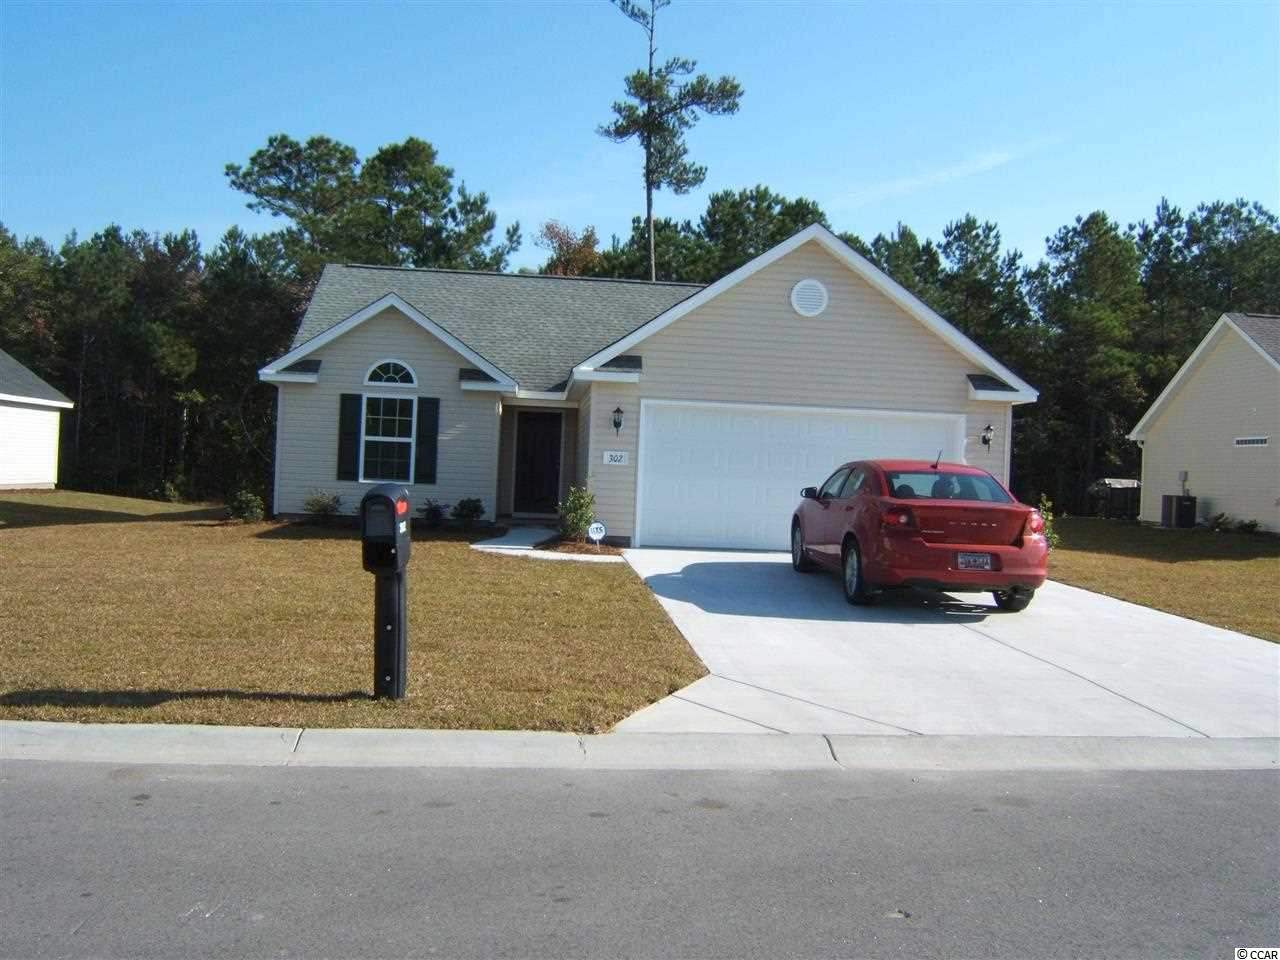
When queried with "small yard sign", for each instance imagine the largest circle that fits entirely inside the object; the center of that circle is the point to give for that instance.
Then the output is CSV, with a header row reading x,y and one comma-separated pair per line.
x,y
597,532
615,458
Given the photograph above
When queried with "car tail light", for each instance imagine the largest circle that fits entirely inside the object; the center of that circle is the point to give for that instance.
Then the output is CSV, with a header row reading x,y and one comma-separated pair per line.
x,y
1035,522
898,518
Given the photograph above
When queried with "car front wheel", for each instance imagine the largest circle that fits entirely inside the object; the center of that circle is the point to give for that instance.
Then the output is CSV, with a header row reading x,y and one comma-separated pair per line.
x,y
856,589
1013,600
800,561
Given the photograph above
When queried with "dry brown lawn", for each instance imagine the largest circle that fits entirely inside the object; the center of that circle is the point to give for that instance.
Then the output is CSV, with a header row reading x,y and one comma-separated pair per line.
x,y
1230,580
114,609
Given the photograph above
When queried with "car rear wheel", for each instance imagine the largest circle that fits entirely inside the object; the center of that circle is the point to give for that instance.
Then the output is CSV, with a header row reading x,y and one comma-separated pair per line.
x,y
1013,600
855,584
800,561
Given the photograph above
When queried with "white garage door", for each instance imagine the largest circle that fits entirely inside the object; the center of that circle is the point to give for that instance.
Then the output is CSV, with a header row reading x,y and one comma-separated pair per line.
x,y
729,475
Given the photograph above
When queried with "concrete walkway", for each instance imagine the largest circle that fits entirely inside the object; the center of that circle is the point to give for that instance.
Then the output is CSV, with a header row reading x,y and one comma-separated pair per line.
x,y
787,654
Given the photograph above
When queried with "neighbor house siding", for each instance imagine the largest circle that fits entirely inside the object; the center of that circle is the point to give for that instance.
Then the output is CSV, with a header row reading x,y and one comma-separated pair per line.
x,y
1232,392
28,445
748,345
307,445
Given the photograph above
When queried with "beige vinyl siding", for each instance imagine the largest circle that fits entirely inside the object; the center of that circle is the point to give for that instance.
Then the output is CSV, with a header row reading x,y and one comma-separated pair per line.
x,y
307,434
583,444
507,460
568,452
28,445
748,346
1231,392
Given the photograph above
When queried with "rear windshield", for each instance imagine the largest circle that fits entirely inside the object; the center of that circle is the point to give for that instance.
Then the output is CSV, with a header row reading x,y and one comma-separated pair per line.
x,y
941,485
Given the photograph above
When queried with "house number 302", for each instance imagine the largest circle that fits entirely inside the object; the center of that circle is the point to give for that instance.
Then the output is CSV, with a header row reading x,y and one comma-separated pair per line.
x,y
615,458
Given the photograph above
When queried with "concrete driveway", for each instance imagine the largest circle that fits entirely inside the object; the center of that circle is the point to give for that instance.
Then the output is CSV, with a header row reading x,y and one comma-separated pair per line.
x,y
786,654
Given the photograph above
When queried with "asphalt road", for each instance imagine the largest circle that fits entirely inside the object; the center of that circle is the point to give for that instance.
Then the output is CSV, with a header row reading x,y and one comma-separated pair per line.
x,y
103,860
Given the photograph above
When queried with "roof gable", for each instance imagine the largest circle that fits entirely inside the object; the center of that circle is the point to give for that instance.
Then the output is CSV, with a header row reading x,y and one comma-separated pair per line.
x,y
1021,392
18,384
1260,331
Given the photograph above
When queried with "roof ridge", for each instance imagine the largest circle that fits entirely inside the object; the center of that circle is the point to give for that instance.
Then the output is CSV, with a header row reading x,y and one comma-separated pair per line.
x,y
518,276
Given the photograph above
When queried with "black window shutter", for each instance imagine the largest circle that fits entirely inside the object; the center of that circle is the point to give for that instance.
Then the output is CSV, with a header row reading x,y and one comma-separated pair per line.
x,y
349,436
424,467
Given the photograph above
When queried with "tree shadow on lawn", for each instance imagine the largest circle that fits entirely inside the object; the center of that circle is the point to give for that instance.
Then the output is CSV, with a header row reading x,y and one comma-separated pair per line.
x,y
1160,544
15,514
54,697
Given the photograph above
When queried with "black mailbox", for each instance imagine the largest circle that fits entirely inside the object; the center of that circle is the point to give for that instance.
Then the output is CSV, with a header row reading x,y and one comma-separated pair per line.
x,y
384,528
385,524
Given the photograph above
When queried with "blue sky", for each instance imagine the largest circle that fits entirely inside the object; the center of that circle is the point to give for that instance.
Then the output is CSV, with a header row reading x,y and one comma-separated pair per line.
x,y
883,113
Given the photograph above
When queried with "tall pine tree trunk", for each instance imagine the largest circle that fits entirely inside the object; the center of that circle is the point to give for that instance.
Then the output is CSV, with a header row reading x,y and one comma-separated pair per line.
x,y
648,152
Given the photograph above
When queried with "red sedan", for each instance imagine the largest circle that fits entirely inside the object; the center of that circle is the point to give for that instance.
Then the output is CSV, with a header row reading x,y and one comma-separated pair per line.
x,y
912,523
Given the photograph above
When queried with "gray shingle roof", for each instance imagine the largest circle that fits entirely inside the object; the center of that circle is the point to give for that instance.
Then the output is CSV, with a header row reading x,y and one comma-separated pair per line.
x,y
17,381
535,328
1262,328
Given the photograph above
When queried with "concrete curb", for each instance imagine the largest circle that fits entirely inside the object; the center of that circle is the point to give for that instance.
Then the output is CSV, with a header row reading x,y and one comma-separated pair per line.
x,y
281,746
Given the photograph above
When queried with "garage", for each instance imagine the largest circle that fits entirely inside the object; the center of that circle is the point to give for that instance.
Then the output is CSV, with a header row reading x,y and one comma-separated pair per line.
x,y
728,475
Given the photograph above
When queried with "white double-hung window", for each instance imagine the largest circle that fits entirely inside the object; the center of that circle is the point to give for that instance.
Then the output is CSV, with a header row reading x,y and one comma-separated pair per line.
x,y
389,428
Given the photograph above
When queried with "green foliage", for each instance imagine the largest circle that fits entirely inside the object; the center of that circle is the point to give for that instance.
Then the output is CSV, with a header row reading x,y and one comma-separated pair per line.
x,y
322,505
467,511
577,511
1247,526
1051,536
398,207
433,513
1220,523
246,506
663,103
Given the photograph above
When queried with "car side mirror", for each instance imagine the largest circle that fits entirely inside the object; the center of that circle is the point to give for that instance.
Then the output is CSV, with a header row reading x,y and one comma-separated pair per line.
x,y
809,493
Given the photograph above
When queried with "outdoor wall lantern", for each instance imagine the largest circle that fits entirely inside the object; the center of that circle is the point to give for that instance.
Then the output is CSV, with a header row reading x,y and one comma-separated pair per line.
x,y
987,433
617,419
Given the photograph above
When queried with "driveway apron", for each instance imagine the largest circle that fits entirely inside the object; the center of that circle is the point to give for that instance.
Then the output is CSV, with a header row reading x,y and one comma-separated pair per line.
x,y
787,654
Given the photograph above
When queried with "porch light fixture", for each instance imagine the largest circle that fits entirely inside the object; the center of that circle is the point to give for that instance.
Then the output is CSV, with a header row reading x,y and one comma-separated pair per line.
x,y
617,419
987,433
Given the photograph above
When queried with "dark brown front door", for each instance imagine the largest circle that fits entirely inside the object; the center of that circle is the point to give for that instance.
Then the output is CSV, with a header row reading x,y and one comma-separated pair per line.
x,y
537,487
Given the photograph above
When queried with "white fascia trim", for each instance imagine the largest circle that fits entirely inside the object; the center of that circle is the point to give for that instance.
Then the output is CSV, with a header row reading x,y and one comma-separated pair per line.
x,y
588,375
1211,338
372,310
859,265
36,401
288,377
542,394
487,386
1004,396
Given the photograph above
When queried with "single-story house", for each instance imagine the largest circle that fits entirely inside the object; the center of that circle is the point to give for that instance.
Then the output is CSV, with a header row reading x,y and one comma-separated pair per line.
x,y
1215,429
693,413
30,418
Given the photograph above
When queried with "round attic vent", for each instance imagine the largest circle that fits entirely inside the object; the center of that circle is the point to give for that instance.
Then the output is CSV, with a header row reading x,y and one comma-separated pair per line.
x,y
809,298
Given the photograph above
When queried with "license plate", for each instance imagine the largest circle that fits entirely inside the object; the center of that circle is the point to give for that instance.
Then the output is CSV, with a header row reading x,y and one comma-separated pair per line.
x,y
973,561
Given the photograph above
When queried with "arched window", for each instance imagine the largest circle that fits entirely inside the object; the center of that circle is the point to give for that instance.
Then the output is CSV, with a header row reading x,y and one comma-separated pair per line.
x,y
392,373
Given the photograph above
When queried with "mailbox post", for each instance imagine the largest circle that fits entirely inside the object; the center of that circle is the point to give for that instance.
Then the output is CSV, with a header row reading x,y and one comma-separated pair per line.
x,y
384,547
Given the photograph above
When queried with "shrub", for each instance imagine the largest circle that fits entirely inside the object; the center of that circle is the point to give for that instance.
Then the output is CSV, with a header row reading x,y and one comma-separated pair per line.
x,y
1051,536
1247,526
322,506
1220,522
246,506
577,511
467,511
434,512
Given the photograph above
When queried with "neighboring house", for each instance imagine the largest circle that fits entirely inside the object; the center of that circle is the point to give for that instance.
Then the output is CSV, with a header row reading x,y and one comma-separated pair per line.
x,y
1218,422
30,414
694,414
